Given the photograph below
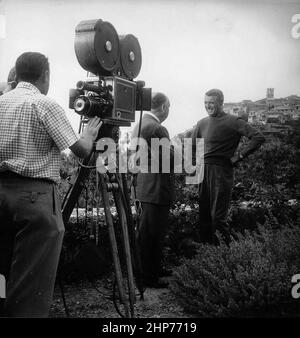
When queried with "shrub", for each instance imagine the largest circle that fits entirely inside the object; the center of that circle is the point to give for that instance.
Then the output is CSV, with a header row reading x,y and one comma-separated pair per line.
x,y
86,249
249,278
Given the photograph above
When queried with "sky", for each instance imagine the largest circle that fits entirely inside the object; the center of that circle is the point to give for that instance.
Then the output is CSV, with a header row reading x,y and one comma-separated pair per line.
x,y
188,47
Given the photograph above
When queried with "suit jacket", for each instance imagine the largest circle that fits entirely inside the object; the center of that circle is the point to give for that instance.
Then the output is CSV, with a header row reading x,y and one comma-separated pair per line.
x,y
157,188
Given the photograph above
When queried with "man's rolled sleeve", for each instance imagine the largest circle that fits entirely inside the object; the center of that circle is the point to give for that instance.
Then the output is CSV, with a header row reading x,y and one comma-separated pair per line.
x,y
58,126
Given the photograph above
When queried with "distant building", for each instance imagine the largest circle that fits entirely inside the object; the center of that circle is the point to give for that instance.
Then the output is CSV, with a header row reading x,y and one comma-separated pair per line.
x,y
274,113
236,109
257,116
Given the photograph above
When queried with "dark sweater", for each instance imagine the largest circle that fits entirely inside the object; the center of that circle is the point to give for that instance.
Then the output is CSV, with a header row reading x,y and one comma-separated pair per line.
x,y
222,135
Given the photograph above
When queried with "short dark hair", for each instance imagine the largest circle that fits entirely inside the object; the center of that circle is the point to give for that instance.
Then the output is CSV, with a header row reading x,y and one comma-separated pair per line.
x,y
12,75
216,92
158,99
30,66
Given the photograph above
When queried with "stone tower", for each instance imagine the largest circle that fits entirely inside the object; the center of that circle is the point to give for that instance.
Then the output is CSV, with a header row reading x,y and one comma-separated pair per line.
x,y
270,93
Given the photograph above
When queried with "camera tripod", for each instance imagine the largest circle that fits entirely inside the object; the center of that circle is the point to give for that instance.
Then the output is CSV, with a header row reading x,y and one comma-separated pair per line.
x,y
112,185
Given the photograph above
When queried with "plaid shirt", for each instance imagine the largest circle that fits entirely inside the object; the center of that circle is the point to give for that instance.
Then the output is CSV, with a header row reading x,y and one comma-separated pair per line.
x,y
34,130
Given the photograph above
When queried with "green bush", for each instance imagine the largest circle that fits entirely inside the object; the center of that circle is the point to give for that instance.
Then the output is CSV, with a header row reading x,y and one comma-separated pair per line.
x,y
251,277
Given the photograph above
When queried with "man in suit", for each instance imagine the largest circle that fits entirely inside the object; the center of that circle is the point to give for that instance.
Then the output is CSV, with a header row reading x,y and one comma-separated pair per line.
x,y
222,133
155,191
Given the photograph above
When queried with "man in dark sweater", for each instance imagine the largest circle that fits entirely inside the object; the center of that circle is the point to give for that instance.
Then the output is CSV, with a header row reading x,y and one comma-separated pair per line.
x,y
221,133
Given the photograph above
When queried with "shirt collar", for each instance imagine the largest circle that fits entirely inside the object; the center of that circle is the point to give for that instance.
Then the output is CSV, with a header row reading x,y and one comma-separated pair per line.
x,y
155,117
28,85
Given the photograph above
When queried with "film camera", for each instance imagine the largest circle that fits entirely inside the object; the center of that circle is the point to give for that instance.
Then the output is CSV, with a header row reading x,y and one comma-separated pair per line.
x,y
112,62
109,92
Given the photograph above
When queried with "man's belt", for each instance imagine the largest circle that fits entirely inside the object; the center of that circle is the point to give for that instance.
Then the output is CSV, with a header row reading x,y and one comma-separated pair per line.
x,y
10,175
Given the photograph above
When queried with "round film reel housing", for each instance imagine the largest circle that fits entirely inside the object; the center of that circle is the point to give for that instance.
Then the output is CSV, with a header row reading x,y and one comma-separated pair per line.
x,y
97,46
130,55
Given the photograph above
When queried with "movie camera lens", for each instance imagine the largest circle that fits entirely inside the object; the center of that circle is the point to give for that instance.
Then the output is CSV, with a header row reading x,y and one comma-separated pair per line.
x,y
91,106
79,105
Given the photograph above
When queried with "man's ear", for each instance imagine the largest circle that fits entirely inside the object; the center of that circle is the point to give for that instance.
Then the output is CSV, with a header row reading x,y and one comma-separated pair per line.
x,y
46,75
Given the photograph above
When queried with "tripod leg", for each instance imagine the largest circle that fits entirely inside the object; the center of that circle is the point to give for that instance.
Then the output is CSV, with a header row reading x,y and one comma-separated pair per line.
x,y
113,242
137,265
123,221
70,200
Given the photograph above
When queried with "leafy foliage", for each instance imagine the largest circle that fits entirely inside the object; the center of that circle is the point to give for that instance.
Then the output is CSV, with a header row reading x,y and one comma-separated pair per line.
x,y
248,278
82,256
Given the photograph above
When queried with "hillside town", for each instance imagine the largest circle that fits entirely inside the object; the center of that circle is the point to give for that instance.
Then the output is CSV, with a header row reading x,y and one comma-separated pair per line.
x,y
273,115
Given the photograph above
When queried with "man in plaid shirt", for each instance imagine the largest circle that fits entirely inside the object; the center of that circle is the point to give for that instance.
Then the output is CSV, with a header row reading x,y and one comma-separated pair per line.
x,y
34,130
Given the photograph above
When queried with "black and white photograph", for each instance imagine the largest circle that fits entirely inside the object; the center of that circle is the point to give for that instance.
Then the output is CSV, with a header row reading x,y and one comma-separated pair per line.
x,y
149,162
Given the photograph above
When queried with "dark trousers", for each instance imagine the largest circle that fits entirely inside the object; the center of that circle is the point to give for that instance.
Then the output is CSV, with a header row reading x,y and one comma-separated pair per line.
x,y
150,238
214,199
31,234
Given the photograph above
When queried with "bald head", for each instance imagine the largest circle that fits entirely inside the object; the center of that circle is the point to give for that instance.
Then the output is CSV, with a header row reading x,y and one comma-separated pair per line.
x,y
160,105
158,99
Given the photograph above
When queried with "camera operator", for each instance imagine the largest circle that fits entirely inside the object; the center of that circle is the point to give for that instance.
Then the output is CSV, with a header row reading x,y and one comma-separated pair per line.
x,y
34,130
